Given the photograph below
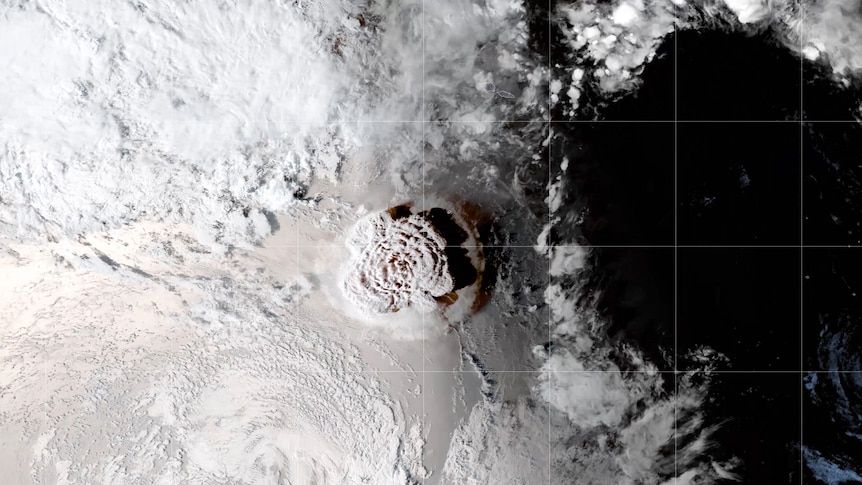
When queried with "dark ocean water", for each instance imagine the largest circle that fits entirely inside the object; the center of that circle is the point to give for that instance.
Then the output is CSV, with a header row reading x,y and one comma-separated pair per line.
x,y
725,183
832,311
833,357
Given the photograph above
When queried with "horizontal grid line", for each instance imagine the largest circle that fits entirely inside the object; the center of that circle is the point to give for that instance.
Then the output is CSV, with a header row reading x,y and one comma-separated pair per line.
x,y
670,121
445,121
538,371
611,246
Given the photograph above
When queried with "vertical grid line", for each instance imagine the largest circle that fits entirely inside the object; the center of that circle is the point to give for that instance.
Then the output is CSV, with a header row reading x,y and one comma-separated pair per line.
x,y
295,220
550,231
675,244
296,241
175,342
801,240
45,405
424,122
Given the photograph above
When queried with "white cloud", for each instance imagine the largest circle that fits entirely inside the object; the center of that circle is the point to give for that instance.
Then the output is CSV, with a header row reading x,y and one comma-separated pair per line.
x,y
748,11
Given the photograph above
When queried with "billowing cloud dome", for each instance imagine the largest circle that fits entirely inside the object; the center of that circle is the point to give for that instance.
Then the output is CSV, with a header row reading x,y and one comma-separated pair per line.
x,y
403,259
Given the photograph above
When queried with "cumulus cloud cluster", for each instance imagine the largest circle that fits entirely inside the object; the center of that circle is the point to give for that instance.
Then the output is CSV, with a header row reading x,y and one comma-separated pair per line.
x,y
832,27
616,42
610,43
623,425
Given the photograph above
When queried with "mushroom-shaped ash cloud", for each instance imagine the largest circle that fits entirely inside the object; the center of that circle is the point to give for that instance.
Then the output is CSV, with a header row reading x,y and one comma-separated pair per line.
x,y
403,259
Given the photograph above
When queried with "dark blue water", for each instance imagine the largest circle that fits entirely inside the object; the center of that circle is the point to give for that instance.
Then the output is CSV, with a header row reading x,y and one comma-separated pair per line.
x,y
725,183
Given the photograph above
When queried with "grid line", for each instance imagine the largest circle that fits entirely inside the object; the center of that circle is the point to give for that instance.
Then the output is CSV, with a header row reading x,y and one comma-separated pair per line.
x,y
45,406
468,122
802,40
550,229
558,371
426,434
675,244
618,246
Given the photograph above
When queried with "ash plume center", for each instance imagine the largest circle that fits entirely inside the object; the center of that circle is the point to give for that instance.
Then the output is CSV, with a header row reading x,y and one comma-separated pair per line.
x,y
405,258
